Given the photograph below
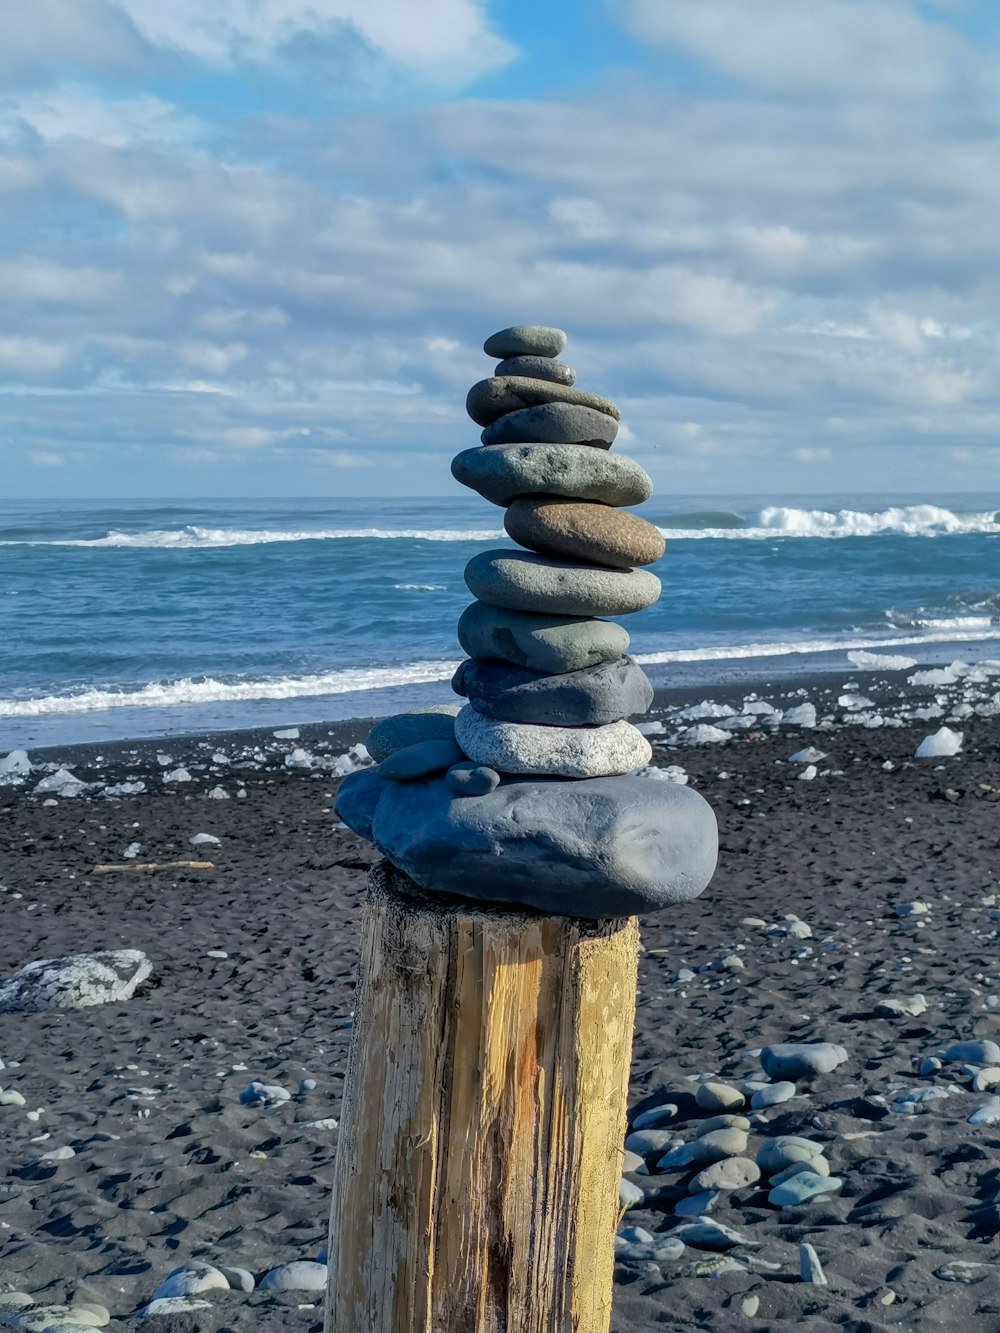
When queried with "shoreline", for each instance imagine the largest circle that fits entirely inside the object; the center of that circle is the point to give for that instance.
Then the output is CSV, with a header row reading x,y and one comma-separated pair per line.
x,y
777,672
893,698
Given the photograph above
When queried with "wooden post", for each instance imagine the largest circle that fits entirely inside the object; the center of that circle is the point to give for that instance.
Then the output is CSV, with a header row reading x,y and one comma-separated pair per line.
x,y
480,1153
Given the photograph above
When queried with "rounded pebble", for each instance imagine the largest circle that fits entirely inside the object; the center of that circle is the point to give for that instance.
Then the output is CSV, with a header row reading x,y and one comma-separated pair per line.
x,y
471,779
554,644
553,423
404,729
537,367
491,399
525,581
525,340
581,752
579,530
504,471
714,1096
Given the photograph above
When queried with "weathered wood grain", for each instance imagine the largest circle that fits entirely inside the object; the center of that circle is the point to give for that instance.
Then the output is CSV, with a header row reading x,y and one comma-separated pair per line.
x,y
476,1185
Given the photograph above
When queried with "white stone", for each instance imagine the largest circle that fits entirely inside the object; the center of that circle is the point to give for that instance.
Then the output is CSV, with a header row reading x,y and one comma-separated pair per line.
x,y
189,1280
74,982
302,1275
571,752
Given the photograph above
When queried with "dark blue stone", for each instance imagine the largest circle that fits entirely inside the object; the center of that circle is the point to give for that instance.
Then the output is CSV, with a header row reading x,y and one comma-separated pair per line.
x,y
590,697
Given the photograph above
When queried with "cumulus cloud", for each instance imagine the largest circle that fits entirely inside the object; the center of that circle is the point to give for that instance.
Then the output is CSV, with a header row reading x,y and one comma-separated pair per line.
x,y
744,270
449,40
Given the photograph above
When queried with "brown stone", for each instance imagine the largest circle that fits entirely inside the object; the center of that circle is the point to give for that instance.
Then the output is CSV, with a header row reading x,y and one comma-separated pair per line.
x,y
583,531
494,398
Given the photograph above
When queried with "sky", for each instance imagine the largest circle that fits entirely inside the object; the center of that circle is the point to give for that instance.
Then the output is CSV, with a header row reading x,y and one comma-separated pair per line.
x,y
253,248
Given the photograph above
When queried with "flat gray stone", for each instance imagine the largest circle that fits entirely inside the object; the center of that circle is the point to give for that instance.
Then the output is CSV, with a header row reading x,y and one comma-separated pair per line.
x,y
590,697
525,340
76,981
786,1150
804,1188
470,779
538,368
504,471
554,644
732,1173
415,762
491,399
389,734
524,581
553,423
571,752
795,1060
597,848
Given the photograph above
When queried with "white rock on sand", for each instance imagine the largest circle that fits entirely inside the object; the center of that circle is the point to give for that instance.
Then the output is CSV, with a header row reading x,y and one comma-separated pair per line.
x,y
76,981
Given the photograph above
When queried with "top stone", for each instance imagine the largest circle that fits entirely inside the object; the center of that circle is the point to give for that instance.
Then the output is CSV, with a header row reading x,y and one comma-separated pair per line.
x,y
525,340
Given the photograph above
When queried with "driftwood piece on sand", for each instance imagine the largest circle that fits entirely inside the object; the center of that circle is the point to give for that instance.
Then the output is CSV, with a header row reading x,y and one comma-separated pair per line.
x,y
480,1152
132,866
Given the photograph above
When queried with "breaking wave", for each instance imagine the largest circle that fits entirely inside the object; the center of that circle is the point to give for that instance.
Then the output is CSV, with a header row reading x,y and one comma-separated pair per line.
x,y
778,521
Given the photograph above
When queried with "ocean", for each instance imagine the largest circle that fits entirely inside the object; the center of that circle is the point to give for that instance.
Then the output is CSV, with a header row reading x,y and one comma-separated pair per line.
x,y
138,619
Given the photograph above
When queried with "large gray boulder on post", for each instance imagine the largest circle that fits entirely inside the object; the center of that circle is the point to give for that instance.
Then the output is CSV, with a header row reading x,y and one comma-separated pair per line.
x,y
598,848
74,982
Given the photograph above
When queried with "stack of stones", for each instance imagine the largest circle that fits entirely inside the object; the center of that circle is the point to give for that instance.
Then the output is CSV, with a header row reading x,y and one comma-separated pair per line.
x,y
548,682
536,792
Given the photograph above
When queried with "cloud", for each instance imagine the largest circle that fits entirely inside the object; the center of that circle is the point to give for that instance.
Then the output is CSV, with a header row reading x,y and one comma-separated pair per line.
x,y
447,40
303,295
811,49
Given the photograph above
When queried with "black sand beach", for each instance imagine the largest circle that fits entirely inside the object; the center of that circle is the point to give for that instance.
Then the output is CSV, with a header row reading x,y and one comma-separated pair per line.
x,y
254,964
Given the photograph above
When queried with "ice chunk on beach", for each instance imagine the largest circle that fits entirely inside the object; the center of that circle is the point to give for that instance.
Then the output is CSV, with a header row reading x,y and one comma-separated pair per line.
x,y
855,701
760,708
177,775
124,788
810,755
694,712
879,662
61,783
299,758
948,675
704,734
942,744
670,773
808,773
654,728
356,757
14,767
205,840
803,715
290,734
